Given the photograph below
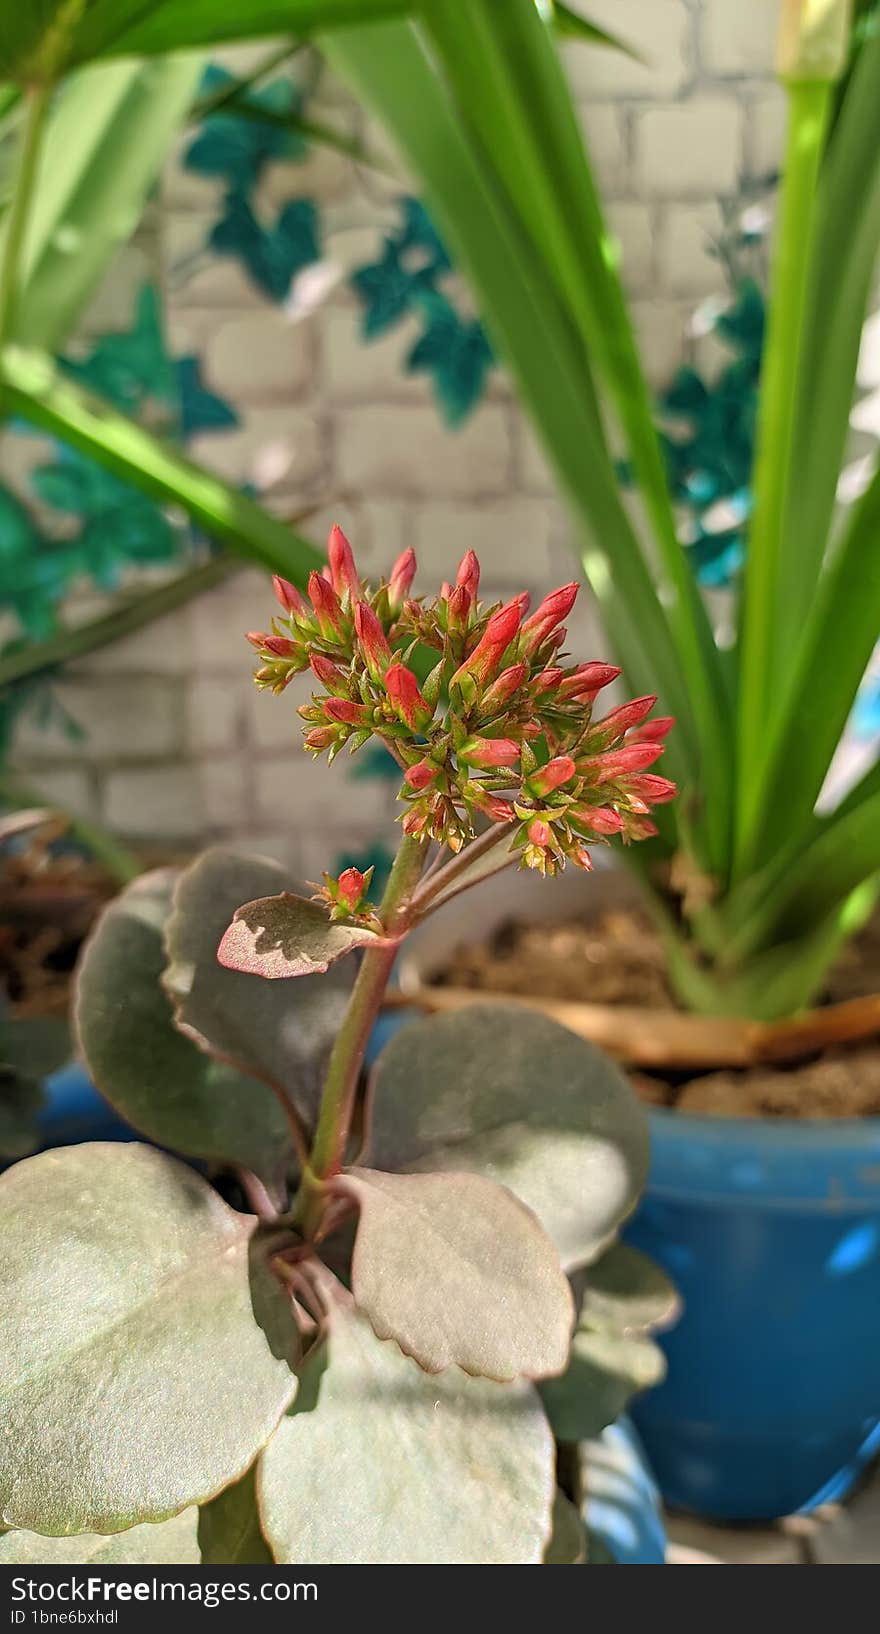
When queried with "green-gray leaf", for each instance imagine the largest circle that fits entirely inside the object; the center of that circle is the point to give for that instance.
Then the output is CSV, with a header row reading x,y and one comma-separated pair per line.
x,y
35,1045
456,1270
502,1091
148,1352
281,1031
281,936
20,1102
155,1077
624,1296
229,1527
568,1540
392,1466
626,1292
170,1543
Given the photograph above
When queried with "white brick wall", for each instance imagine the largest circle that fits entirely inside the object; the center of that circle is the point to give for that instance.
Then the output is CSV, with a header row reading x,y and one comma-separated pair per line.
x,y
180,747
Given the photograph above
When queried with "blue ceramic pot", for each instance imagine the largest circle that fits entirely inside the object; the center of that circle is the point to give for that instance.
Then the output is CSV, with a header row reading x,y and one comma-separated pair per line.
x,y
771,1231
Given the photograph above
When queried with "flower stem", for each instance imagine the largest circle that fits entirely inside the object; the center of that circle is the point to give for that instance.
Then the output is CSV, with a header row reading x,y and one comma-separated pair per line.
x,y
451,872
343,1071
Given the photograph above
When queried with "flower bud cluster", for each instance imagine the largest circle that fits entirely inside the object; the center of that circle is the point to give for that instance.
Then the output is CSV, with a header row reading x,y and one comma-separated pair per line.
x,y
477,704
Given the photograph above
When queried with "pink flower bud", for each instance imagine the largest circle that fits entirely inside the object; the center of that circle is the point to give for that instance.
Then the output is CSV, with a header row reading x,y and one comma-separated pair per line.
x,y
459,607
373,641
257,639
494,807
419,776
400,581
326,604
503,689
539,832
350,888
328,673
656,790
493,643
320,737
488,752
633,757
581,856
546,681
588,679
403,690
552,776
523,602
626,715
552,610
601,819
653,731
280,646
349,713
343,573
468,575
287,595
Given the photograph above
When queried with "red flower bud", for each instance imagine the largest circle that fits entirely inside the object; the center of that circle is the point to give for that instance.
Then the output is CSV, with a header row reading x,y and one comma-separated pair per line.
x,y
343,573
280,646
588,679
350,888
580,855
626,715
601,819
650,787
400,580
493,643
326,604
320,737
419,776
349,713
373,641
288,596
633,757
328,673
403,690
653,731
539,832
552,610
490,752
552,776
459,607
494,807
257,639
468,575
546,680
503,689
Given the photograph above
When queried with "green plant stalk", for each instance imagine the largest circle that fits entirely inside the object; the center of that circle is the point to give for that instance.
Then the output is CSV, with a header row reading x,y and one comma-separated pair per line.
x,y
42,657
809,108
41,394
38,99
340,1084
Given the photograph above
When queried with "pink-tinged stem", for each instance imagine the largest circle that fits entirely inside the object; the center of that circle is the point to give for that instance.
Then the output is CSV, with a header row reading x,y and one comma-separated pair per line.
x,y
449,874
343,1071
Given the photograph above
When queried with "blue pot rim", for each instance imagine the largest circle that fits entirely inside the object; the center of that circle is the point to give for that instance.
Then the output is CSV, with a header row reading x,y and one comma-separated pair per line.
x,y
826,1166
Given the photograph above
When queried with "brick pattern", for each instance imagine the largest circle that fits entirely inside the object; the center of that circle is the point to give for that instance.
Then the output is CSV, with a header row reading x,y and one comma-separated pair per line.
x,y
178,746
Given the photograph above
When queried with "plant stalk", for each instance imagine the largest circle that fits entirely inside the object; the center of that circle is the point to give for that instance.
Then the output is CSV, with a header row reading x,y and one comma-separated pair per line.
x,y
37,105
343,1071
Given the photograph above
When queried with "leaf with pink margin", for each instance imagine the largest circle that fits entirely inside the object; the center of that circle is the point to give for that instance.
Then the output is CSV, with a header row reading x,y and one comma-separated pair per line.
x,y
282,936
459,1272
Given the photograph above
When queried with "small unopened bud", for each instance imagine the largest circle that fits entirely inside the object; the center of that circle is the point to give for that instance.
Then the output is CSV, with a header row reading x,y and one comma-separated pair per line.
x,y
601,819
588,679
483,662
539,832
626,715
288,597
503,689
320,737
349,713
468,575
633,757
328,673
656,790
400,580
552,776
374,643
280,646
352,887
419,776
552,610
343,573
403,690
489,752
653,731
327,609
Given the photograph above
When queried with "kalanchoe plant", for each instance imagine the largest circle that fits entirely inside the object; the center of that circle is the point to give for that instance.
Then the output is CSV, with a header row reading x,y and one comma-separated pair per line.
x,y
362,1336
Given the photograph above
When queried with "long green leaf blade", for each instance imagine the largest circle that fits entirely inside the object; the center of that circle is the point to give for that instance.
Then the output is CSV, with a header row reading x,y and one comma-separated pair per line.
x,y
35,388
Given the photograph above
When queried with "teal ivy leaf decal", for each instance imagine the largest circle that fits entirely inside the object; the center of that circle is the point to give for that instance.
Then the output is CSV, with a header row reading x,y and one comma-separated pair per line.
x,y
130,366
375,763
238,147
419,233
456,354
386,288
272,255
200,409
